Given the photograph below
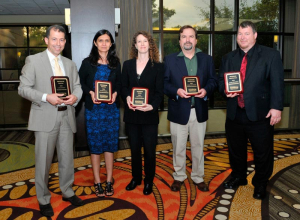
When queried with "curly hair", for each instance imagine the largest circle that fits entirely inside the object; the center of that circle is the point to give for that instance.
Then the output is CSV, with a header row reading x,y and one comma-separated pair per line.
x,y
153,51
112,57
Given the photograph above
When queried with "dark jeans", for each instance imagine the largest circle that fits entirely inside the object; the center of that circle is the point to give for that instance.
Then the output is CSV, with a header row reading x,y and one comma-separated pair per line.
x,y
142,135
260,134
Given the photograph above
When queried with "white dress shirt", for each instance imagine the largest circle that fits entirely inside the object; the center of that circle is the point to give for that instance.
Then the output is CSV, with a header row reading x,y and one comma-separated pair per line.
x,y
52,63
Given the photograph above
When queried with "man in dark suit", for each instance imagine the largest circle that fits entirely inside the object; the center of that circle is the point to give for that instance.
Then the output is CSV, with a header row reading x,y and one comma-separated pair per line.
x,y
51,118
253,114
188,115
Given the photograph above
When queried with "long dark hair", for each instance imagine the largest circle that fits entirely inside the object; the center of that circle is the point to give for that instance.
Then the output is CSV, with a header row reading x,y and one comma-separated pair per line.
x,y
113,59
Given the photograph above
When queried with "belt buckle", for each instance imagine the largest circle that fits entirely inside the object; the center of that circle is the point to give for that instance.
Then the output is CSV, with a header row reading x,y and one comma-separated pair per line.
x,y
61,108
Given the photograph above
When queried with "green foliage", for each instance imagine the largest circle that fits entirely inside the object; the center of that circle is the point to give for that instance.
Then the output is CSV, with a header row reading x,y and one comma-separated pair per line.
x,y
265,11
171,43
36,36
168,13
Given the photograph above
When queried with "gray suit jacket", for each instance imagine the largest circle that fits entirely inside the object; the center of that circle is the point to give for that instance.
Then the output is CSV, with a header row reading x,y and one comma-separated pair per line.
x,y
35,81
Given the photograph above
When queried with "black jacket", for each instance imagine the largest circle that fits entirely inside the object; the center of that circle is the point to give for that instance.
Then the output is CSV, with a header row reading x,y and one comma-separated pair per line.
x,y
263,85
151,78
87,73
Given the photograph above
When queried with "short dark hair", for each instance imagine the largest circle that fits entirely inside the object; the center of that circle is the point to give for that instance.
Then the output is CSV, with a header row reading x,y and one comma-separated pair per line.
x,y
55,27
245,24
187,27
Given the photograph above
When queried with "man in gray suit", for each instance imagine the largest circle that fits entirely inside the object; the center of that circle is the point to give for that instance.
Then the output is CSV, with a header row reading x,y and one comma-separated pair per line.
x,y
52,118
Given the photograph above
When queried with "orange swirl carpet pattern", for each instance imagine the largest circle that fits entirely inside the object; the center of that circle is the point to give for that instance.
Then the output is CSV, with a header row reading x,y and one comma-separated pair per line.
x,y
18,198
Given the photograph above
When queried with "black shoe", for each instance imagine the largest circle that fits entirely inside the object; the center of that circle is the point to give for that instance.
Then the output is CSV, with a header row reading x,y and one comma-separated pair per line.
x,y
148,189
132,185
234,183
46,210
260,192
74,200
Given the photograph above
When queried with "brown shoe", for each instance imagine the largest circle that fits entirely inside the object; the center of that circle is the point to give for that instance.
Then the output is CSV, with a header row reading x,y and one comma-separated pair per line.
x,y
202,186
176,185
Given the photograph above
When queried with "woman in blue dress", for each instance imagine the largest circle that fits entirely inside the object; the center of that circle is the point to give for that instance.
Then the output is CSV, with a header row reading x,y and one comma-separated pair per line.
x,y
102,119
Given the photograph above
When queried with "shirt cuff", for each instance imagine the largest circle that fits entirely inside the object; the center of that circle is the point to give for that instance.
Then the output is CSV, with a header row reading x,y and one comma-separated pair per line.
x,y
205,98
44,98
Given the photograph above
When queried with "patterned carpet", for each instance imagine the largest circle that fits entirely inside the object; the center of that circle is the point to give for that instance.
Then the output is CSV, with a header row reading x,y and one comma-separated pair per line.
x,y
18,200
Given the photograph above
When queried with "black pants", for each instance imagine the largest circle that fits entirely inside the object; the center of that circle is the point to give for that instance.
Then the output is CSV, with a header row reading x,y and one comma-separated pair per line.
x,y
142,135
260,134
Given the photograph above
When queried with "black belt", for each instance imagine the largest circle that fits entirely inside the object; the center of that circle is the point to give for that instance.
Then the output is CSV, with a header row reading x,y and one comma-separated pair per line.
x,y
63,108
192,106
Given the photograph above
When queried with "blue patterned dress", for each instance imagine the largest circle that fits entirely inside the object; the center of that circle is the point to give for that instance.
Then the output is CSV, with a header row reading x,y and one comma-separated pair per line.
x,y
102,122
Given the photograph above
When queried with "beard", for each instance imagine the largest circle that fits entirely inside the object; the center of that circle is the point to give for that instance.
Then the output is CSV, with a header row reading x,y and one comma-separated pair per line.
x,y
188,46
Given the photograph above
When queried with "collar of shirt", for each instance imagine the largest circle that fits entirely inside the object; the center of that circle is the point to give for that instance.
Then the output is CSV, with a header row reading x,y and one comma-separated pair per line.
x,y
52,62
249,53
181,54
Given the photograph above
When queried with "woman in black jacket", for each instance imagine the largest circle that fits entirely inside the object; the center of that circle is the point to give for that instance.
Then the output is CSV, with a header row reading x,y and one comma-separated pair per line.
x,y
143,70
102,119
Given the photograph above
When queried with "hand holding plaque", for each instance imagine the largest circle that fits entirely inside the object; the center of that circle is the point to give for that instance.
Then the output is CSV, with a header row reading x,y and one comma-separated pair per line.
x,y
191,85
233,82
61,85
103,91
139,96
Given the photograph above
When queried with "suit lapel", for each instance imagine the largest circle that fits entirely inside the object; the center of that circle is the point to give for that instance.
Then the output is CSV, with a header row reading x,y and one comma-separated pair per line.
x,y
133,71
145,71
181,66
235,62
199,68
255,57
46,63
66,65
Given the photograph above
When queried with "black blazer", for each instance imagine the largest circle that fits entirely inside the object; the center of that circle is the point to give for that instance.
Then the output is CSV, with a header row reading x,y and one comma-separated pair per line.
x,y
151,78
263,85
87,73
175,68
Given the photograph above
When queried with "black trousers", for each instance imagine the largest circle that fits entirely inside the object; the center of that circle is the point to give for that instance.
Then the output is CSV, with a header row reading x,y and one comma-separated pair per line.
x,y
142,135
260,134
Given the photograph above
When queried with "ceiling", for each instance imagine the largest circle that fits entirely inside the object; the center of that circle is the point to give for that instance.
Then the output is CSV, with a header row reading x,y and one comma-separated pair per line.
x,y
33,7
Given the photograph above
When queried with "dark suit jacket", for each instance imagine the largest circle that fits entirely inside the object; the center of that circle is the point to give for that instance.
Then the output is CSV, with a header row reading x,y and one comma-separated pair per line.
x,y
151,78
175,68
87,73
263,85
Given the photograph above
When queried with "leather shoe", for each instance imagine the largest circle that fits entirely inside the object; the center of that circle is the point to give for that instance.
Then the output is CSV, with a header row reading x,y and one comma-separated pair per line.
x,y
234,183
46,210
176,185
148,189
260,192
132,185
202,186
74,200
